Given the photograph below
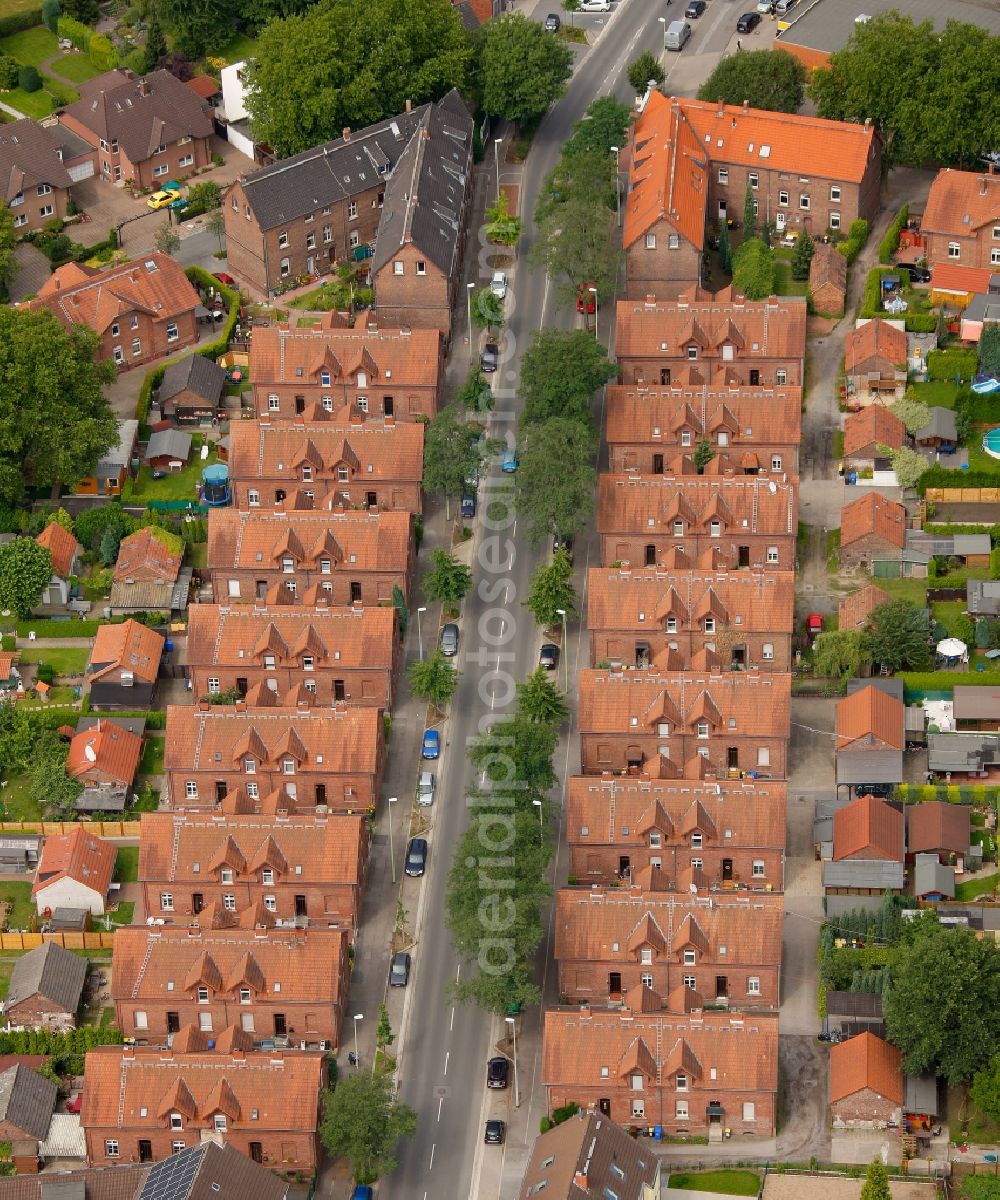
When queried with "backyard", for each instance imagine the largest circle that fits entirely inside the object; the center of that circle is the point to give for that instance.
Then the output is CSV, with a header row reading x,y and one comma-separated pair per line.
x,y
64,660
127,864
151,762
31,48
21,912
724,1182
175,485
15,800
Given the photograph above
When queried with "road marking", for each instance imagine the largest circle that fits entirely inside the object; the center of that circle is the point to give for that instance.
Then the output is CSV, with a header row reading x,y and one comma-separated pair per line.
x,y
431,1166
440,1106
447,1055
458,971
451,1023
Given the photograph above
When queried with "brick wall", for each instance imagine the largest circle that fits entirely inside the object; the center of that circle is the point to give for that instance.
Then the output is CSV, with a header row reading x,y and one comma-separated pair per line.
x,y
862,551
628,547
659,1107
151,334
657,270
365,686
295,1150
372,587
591,863
421,296
648,458
865,1108
326,903
37,1012
28,215
601,752
620,646
403,496
350,791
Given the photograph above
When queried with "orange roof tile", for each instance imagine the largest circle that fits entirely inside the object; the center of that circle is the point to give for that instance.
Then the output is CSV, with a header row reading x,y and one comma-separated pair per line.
x,y
866,1061
870,719
126,1088
145,557
875,339
283,355
63,547
97,297
106,749
868,828
950,277
827,265
937,826
635,503
961,201
854,611
369,541
753,416
76,855
127,646
305,962
204,86
873,514
327,848
610,699
873,425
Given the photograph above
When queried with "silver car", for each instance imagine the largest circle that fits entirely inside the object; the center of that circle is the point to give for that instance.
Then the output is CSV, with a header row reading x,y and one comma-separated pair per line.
x,y
449,640
425,788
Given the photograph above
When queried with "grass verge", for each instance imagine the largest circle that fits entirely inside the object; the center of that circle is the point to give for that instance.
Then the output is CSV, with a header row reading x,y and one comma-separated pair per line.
x,y
127,864
726,1183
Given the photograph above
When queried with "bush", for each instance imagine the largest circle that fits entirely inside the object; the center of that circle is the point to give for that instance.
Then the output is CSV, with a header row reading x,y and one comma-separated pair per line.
x,y
857,235
8,73
203,280
45,673
50,14
948,365
938,477
75,32
888,246
28,79
102,53
17,22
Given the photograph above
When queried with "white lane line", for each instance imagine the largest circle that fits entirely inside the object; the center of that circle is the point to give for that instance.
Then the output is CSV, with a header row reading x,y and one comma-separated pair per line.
x,y
431,1166
440,1106
458,971
451,1023
447,1055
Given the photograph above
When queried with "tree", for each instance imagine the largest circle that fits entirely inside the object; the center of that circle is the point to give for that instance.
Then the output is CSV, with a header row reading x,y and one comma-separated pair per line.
x,y
914,413
8,263
769,79
802,255
453,453
749,215
753,269
402,612
604,125
876,1185
111,540
703,455
198,26
8,72
725,249
362,1122
907,464
84,11
25,570
560,371
433,679
940,1009
28,79
204,196
839,653
167,239
215,223
50,14
557,480
502,226
156,41
645,70
575,246
448,580
92,522
540,700
383,1032
52,789
475,394
351,63
500,994
487,309
989,349
985,1090
896,636
523,69
516,752
552,589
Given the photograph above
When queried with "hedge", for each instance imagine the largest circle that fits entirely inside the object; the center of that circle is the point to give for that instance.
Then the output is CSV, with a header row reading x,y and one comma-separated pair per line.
x,y
938,477
19,21
75,32
857,235
946,364
888,246
944,681
102,53
58,629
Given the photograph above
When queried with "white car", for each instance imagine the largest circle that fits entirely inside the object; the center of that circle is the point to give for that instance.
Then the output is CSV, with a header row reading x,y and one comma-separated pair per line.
x,y
498,284
425,788
595,5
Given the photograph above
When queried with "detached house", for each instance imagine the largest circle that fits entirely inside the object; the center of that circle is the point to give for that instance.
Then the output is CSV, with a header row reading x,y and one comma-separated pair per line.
x,y
866,1083
872,529
338,654
644,720
140,310
105,758
650,617
871,738
192,390
66,552
961,222
143,1105
74,871
147,130
277,984
38,167
311,757
698,1073
124,665
148,575
728,833
875,361
253,870
867,432
866,855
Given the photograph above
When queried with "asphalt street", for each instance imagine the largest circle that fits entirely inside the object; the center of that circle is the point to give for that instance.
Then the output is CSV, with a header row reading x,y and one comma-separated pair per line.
x,y
444,1046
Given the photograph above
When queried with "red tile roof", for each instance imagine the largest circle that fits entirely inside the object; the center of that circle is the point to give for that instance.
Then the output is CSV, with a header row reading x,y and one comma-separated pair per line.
x,y
746,503
127,646
950,277
937,826
873,514
828,266
76,855
146,557
204,86
870,719
388,357
751,416
960,202
63,547
874,339
363,541
866,1061
868,828
874,424
107,750
854,611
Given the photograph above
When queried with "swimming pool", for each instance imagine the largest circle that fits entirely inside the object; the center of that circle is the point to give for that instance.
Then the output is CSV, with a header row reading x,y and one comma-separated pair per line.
x,y
991,443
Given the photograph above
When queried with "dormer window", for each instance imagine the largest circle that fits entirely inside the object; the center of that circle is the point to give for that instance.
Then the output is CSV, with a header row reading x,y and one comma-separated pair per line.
x,y
308,662
325,566
267,875
696,840
723,438
689,958
685,437
692,352
288,766
288,566
268,662
671,624
678,529
710,624
663,729
245,995
343,475
655,841
703,729
249,766
220,1122
307,474
176,1121
324,378
715,528
362,379
682,1083
646,956
203,995
227,875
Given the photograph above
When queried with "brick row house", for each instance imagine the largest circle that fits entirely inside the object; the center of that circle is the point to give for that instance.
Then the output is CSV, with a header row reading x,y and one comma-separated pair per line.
x,y
311,373
253,870
308,757
675,620
373,465
961,221
337,654
690,163
285,985
726,833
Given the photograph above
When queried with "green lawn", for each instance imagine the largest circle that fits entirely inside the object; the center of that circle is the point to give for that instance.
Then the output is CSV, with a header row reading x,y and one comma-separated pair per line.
x,y
15,800
151,762
123,913
948,613
939,393
6,970
66,660
32,46
176,485
976,887
727,1183
127,864
784,284
197,555
18,896
915,590
75,67
239,48
32,104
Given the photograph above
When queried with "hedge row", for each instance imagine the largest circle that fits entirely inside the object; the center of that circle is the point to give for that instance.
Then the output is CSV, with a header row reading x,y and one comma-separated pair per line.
x,y
921,793
938,477
944,681
58,629
890,243
948,364
19,21
857,235
74,31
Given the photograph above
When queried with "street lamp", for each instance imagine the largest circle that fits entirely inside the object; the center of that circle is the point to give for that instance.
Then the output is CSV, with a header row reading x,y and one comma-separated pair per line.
x,y
392,857
470,287
357,1017
420,636
513,1033
663,22
593,292
565,647
496,156
618,193
541,831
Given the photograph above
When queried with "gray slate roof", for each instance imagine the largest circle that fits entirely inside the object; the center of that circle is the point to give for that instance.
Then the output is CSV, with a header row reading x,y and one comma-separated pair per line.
x,y
983,596
869,766
930,876
141,113
879,873
27,1100
962,752
426,192
211,1172
172,443
976,703
49,971
888,684
195,373
118,456
29,155
941,425
854,1004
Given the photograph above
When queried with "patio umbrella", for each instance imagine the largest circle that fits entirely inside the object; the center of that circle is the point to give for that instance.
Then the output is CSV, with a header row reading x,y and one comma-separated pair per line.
x,y
951,648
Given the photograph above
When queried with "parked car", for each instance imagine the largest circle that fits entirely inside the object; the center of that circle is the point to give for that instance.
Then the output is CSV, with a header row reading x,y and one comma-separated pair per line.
x,y
748,22
432,744
416,857
468,505
510,462
814,625
695,8
449,640
160,199
222,277
425,788
552,23
496,1131
595,5
548,656
76,1103
497,1072
873,789
399,970
586,301
489,358
498,284
917,274
766,7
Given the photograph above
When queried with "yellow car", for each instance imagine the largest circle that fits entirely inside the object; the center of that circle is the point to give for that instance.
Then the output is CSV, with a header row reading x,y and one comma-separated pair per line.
x,y
161,199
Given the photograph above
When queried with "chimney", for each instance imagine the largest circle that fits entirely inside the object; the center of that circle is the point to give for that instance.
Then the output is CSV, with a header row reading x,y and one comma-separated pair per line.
x,y
746,105
580,1180
241,706
409,104
203,706
143,87
983,186
346,134
722,107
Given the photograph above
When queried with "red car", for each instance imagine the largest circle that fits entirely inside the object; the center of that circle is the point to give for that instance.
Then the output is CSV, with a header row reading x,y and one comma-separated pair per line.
x,y
586,301
222,277
74,1105
814,625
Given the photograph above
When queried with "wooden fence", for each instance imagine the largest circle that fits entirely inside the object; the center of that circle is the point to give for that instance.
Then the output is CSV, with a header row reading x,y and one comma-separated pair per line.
x,y
107,829
93,939
972,495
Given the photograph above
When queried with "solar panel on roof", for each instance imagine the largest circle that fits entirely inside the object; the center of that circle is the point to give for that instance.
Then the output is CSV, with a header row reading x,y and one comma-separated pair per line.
x,y
172,1178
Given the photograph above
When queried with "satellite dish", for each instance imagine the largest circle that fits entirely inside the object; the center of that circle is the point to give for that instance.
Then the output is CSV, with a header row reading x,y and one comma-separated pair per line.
x,y
89,753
